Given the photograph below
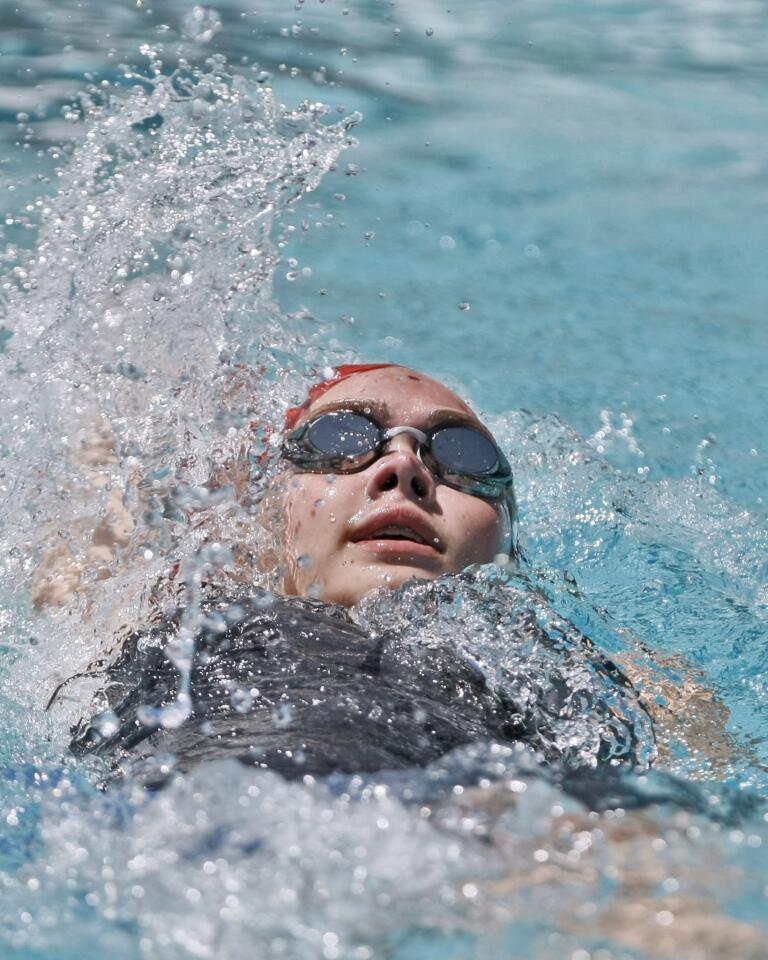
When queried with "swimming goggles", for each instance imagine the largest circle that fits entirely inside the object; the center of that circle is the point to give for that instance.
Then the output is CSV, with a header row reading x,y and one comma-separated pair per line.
x,y
346,441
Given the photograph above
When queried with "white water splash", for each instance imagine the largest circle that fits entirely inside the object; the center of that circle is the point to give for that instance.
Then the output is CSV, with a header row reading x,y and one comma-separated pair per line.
x,y
148,362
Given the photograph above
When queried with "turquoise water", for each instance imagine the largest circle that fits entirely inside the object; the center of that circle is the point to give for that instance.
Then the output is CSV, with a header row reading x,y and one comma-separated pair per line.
x,y
560,208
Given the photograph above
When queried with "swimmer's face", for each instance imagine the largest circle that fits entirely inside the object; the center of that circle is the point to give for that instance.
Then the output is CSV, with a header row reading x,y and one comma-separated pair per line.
x,y
349,534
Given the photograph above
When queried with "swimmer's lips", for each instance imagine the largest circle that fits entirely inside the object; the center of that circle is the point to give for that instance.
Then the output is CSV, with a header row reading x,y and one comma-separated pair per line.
x,y
398,534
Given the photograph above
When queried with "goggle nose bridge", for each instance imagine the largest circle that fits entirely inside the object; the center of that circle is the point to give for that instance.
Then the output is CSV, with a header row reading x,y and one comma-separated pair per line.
x,y
421,438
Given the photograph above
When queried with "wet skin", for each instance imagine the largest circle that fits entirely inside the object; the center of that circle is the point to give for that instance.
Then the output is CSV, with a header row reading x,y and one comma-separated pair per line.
x,y
349,534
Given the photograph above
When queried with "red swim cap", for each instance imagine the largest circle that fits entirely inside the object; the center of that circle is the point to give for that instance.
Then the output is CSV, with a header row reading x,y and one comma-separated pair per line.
x,y
293,414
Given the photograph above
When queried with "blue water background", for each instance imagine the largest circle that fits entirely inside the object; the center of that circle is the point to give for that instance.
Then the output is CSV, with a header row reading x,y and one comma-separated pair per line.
x,y
592,181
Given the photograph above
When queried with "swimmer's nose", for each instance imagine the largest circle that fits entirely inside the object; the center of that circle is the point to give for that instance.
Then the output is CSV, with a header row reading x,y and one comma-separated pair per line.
x,y
401,469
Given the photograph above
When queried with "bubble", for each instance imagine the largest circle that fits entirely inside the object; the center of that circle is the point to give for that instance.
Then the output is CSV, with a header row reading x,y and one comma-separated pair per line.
x,y
465,305
201,24
429,32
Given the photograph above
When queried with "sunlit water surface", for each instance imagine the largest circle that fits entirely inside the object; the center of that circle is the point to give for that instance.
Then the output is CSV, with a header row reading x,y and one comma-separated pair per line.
x,y
564,213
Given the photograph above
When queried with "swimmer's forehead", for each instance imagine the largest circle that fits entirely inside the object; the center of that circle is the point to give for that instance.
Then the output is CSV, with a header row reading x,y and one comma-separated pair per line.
x,y
397,396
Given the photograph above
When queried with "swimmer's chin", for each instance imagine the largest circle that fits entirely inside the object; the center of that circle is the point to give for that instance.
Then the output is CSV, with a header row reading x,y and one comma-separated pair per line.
x,y
383,578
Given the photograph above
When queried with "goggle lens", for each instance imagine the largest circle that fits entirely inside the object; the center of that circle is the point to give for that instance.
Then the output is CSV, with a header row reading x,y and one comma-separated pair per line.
x,y
464,450
343,435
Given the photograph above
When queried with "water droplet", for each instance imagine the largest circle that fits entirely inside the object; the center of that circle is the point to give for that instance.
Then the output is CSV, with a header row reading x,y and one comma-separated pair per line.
x,y
173,715
200,24
304,561
241,699
148,716
282,715
429,32
106,723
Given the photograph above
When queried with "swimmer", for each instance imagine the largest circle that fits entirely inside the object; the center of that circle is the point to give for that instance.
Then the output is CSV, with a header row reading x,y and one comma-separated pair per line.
x,y
388,477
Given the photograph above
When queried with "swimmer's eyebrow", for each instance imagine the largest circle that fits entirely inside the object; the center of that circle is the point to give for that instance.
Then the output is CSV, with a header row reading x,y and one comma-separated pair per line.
x,y
458,417
383,412
379,408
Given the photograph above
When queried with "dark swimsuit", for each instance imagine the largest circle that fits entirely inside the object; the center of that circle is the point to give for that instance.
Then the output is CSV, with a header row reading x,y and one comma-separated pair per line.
x,y
295,686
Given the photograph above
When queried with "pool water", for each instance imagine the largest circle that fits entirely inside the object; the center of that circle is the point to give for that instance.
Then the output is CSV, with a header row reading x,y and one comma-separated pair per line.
x,y
561,210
